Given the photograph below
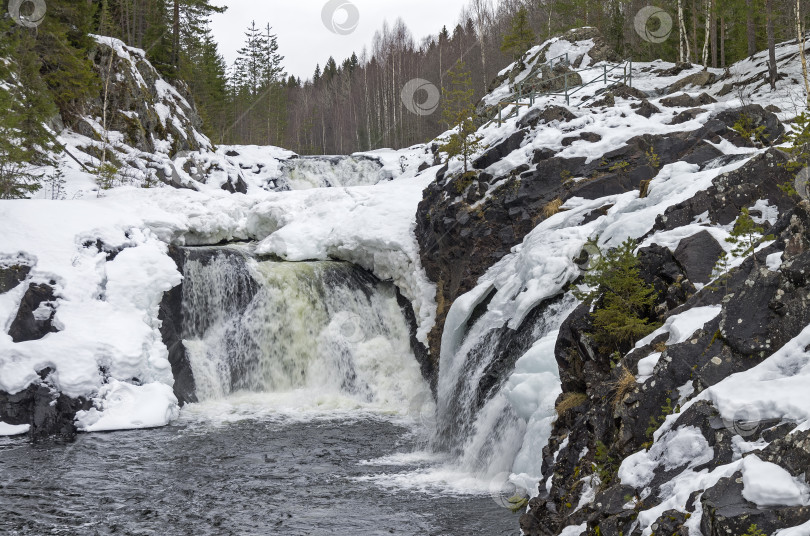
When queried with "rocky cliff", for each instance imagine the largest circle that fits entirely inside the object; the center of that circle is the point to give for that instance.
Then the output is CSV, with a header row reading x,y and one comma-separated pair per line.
x,y
652,440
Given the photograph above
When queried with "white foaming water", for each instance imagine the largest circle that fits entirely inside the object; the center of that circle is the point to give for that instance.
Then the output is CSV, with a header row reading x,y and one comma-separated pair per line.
x,y
278,338
325,172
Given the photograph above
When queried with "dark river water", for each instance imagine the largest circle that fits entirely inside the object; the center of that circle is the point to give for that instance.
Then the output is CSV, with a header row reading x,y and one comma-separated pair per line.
x,y
251,477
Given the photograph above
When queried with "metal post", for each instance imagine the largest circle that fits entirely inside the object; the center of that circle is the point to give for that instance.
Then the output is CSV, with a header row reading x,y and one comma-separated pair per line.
x,y
631,73
567,100
605,69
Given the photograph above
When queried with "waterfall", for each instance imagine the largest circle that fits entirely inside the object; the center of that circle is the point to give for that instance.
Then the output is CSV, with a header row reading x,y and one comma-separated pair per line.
x,y
323,334
486,418
307,172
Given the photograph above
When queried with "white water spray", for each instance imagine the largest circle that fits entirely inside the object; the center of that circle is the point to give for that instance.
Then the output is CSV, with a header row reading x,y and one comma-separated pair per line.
x,y
320,335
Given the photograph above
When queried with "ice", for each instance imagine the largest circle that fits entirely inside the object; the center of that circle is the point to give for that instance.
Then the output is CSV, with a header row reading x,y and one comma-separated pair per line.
x,y
13,430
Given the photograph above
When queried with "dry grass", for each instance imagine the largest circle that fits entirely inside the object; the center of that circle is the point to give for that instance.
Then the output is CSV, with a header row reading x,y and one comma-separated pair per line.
x,y
644,189
623,387
552,208
661,347
570,401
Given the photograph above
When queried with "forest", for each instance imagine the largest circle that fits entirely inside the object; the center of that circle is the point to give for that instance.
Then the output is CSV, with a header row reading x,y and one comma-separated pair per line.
x,y
355,104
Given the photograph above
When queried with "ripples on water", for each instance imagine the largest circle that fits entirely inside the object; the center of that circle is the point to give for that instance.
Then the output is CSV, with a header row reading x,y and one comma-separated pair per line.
x,y
246,477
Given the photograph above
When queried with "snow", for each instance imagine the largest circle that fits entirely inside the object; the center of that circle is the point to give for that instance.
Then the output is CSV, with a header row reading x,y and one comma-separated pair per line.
x,y
682,326
801,530
13,430
774,261
685,446
646,366
767,484
124,406
574,530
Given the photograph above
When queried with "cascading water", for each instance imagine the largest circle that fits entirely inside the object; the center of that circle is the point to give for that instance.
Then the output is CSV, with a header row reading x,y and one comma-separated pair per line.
x,y
484,418
329,171
322,335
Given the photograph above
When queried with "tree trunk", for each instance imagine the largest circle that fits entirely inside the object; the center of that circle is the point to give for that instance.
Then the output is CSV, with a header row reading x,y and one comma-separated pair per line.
x,y
684,54
723,42
800,40
771,45
176,35
707,33
714,33
751,30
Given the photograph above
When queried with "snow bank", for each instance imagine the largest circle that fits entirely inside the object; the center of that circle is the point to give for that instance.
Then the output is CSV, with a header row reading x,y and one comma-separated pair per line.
x,y
767,484
124,406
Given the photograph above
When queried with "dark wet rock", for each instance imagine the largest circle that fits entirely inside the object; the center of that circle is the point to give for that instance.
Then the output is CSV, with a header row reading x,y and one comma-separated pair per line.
x,y
686,101
761,311
549,114
11,276
687,115
239,187
500,150
677,69
34,319
725,511
48,412
647,109
671,523
699,79
698,254
420,351
733,191
171,330
759,117
591,137
459,243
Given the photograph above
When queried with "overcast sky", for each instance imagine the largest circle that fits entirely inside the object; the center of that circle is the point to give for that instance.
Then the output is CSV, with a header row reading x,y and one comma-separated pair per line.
x,y
304,39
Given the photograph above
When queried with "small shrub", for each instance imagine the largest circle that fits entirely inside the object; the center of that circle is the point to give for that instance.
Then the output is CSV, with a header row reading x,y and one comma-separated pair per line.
x,y
621,167
652,158
604,465
753,530
745,127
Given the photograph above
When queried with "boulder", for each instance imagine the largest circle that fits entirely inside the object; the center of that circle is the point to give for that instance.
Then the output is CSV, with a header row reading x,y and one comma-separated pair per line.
x,y
647,109
700,79
686,101
698,254
537,116
11,276
501,150
35,316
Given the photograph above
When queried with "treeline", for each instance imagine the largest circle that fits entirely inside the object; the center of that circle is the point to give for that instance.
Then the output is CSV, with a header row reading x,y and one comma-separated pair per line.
x,y
356,103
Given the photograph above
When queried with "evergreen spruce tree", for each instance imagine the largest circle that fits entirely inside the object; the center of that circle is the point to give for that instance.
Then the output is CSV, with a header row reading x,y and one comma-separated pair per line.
x,y
459,108
623,300
520,37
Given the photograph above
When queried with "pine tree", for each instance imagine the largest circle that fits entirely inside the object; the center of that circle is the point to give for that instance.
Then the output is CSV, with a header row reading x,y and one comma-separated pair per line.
x,y
520,37
623,300
27,106
745,234
458,111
